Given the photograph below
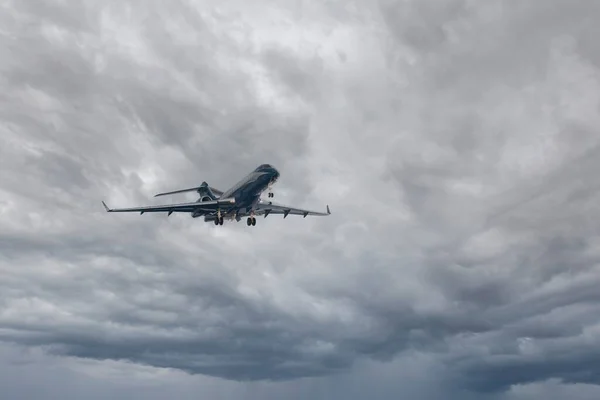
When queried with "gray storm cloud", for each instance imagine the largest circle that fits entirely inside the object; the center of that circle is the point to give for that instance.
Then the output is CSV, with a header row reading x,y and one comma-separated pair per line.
x,y
456,143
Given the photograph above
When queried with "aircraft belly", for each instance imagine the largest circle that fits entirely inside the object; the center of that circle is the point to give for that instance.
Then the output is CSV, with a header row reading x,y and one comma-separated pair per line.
x,y
247,195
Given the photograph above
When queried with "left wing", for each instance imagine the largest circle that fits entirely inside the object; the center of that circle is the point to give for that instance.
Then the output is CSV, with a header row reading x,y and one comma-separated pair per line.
x,y
182,207
272,208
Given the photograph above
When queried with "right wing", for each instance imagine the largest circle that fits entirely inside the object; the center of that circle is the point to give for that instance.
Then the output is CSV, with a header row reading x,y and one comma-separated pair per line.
x,y
182,207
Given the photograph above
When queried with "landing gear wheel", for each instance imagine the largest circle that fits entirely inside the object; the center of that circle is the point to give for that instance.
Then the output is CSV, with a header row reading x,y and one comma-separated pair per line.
x,y
221,221
253,221
271,195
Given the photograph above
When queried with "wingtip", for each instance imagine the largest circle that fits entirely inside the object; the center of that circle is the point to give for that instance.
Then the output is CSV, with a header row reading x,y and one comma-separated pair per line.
x,y
328,210
105,206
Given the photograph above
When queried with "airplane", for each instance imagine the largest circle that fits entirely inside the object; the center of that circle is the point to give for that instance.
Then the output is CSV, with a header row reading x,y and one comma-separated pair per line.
x,y
241,200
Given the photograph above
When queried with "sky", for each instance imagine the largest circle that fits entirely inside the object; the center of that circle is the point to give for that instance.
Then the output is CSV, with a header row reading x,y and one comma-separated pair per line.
x,y
455,141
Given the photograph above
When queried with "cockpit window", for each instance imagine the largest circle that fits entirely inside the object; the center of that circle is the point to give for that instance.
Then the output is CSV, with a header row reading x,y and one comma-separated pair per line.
x,y
264,166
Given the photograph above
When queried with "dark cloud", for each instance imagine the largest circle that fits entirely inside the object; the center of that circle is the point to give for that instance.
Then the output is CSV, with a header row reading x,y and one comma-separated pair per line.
x,y
455,142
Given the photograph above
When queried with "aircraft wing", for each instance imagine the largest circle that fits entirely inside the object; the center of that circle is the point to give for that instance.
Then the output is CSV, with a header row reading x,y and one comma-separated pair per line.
x,y
267,208
181,207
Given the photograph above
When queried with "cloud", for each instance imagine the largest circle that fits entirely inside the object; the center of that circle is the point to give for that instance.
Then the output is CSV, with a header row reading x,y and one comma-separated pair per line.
x,y
454,141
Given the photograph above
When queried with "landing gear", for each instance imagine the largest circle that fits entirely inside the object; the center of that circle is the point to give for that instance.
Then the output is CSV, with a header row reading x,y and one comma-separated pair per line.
x,y
271,194
251,221
219,218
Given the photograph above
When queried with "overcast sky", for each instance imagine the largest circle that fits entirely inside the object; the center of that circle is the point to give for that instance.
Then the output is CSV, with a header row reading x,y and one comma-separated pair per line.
x,y
457,143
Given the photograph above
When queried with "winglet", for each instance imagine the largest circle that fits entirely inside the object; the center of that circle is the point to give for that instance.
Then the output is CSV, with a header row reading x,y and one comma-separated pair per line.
x,y
328,210
105,206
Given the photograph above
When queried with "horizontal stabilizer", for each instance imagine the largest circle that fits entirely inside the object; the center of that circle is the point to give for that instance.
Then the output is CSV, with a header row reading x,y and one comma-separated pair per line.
x,y
194,189
204,186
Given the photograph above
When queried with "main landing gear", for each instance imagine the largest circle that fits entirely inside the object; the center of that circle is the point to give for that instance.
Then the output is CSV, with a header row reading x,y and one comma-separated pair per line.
x,y
271,194
219,218
251,221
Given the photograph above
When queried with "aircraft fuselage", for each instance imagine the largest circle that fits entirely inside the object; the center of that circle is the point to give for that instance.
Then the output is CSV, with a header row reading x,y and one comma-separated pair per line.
x,y
246,193
248,190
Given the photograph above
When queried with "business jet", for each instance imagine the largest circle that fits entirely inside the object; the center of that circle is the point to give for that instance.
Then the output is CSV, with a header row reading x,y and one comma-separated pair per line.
x,y
241,200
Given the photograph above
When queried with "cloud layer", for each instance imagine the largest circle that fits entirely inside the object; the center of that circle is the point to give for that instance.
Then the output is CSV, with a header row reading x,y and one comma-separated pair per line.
x,y
456,143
